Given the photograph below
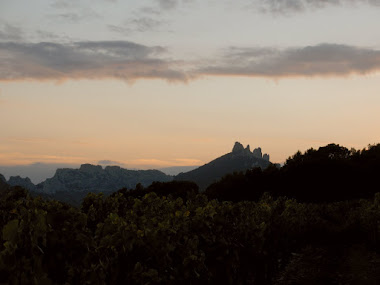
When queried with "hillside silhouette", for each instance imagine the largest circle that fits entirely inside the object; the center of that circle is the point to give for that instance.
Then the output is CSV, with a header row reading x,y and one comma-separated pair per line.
x,y
239,159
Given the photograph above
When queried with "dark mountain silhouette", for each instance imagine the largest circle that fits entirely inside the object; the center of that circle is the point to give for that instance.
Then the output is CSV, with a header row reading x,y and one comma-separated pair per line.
x,y
72,185
240,159
3,183
23,182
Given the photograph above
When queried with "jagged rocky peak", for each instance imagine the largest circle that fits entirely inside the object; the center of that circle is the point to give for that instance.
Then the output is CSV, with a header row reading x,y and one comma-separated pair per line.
x,y
90,168
238,147
257,152
2,178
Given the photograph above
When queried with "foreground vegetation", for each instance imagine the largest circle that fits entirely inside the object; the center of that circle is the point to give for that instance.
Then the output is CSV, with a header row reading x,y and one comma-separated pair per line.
x,y
192,240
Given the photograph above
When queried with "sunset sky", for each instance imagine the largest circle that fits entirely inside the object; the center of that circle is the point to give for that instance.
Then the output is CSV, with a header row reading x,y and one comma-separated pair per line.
x,y
157,83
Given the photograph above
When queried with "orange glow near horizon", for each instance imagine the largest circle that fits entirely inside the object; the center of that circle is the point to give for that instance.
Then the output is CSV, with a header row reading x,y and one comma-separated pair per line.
x,y
152,123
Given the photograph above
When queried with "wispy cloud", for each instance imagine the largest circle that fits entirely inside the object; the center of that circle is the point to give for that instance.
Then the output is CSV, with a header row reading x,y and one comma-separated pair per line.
x,y
318,60
187,161
62,4
168,4
90,60
71,11
150,11
141,24
154,163
18,158
10,32
107,162
72,17
291,6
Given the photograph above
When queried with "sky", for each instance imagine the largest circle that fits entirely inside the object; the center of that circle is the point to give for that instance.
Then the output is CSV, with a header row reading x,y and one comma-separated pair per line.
x,y
159,83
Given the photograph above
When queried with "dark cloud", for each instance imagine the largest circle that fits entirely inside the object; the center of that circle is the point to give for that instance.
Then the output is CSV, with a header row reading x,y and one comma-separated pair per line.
x,y
46,35
290,6
319,60
89,60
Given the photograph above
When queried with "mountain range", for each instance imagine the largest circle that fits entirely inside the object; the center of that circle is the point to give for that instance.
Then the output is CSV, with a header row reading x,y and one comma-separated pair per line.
x,y
95,178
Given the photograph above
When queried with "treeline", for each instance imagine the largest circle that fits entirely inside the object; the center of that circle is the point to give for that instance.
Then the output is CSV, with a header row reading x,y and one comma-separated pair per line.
x,y
331,173
185,238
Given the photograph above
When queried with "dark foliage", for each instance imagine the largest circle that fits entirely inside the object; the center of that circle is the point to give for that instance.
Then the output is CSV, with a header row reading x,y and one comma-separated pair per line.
x,y
173,189
3,183
331,173
121,239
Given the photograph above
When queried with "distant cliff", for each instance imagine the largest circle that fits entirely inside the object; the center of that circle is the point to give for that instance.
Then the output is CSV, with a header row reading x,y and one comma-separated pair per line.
x,y
239,159
93,178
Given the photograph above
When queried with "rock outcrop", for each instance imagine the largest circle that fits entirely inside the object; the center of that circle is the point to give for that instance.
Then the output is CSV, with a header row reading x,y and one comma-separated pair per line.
x,y
238,147
257,152
266,156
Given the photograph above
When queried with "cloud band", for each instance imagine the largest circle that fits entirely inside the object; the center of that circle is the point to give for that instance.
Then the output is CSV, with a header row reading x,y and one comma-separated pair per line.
x,y
85,60
130,61
319,60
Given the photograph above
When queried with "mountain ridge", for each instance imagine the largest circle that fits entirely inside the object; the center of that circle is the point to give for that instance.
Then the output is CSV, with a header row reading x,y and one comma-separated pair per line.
x,y
239,159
